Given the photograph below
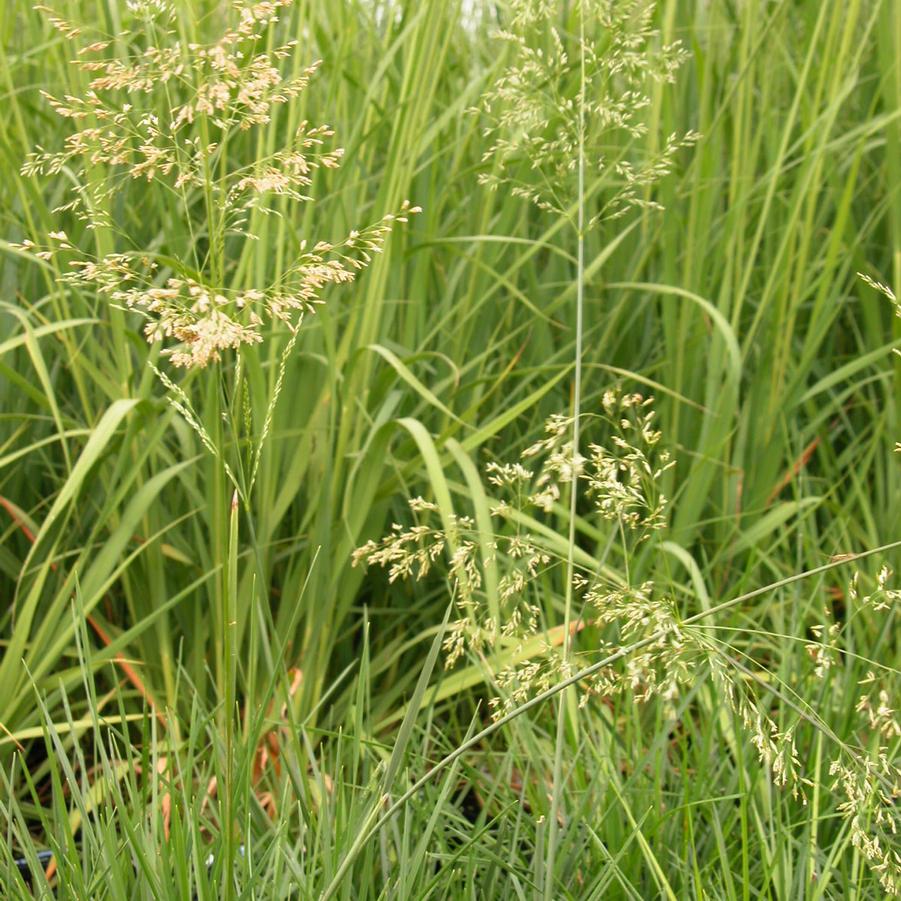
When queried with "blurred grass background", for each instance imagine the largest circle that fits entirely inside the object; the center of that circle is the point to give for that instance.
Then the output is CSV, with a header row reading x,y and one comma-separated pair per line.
x,y
738,307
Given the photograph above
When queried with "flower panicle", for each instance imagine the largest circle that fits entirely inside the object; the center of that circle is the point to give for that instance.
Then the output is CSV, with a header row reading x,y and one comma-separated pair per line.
x,y
164,114
533,125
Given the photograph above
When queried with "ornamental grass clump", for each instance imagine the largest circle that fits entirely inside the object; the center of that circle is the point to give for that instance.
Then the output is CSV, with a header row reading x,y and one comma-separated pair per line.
x,y
203,133
567,133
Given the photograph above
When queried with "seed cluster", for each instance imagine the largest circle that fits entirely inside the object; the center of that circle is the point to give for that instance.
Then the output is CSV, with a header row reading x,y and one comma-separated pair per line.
x,y
540,111
620,478
167,114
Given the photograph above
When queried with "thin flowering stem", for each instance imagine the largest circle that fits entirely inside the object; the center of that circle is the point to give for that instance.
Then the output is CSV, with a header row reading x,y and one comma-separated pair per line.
x,y
557,779
270,410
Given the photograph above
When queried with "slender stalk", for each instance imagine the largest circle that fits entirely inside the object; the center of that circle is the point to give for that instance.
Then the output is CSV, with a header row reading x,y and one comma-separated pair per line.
x,y
230,622
557,788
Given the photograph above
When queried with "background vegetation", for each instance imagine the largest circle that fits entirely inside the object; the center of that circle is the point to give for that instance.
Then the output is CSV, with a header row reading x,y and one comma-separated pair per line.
x,y
738,307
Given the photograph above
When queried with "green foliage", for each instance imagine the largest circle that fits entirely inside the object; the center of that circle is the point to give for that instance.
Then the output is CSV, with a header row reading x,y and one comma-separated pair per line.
x,y
202,698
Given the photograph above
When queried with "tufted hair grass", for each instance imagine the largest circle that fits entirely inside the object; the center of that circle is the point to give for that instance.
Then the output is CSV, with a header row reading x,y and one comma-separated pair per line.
x,y
148,623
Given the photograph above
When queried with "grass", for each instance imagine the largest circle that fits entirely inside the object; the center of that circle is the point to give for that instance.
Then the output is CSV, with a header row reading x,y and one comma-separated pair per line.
x,y
170,664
